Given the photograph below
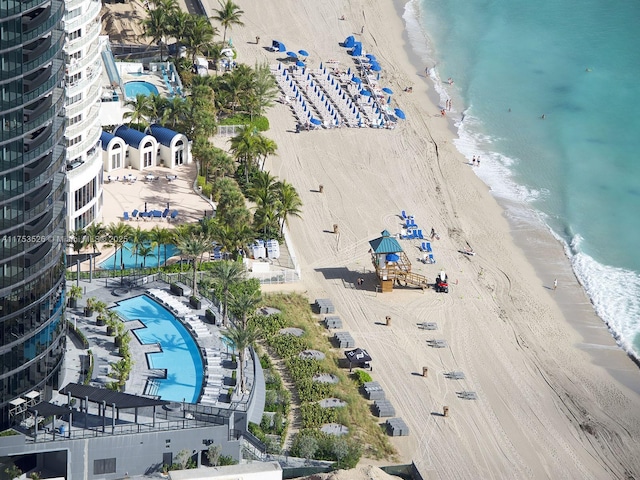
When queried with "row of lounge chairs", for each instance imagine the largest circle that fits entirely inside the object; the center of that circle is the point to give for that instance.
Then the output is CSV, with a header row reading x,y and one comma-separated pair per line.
x,y
415,233
214,377
151,215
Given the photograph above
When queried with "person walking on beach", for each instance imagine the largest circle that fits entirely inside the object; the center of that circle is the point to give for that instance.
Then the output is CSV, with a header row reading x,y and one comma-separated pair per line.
x,y
555,283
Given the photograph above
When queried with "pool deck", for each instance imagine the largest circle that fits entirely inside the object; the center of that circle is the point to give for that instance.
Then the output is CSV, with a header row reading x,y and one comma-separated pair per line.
x,y
105,352
120,197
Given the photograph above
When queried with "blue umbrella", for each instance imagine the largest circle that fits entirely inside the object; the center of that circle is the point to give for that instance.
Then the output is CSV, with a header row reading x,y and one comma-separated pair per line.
x,y
387,90
292,54
365,93
400,114
315,121
371,56
375,67
393,257
356,80
303,53
299,64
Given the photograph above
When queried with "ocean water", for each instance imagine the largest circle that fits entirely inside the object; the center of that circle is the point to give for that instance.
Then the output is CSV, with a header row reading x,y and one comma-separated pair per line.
x,y
577,169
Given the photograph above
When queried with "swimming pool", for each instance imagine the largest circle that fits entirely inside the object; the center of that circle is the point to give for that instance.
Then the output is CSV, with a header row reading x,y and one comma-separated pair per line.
x,y
180,354
131,89
129,257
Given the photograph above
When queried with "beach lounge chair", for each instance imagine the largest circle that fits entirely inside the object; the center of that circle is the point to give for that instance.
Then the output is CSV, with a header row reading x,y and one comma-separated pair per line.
x,y
404,215
126,216
157,214
165,213
134,214
468,395
174,214
455,375
419,234
431,258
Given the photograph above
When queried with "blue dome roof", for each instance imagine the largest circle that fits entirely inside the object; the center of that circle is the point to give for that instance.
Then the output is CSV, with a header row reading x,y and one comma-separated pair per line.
x,y
131,136
105,138
162,134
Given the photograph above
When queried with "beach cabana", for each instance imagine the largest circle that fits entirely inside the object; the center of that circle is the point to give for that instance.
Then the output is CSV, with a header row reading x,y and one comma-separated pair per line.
x,y
392,264
142,147
114,151
358,357
173,146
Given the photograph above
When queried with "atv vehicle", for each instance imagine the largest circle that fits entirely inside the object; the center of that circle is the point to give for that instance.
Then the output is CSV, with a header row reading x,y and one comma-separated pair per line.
x,y
442,283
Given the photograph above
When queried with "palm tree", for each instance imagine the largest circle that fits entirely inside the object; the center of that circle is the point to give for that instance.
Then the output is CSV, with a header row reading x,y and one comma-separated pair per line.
x,y
228,16
264,90
160,237
175,111
242,303
289,203
141,109
265,147
193,246
118,234
95,234
244,148
199,36
156,27
227,273
242,339
145,251
77,242
138,239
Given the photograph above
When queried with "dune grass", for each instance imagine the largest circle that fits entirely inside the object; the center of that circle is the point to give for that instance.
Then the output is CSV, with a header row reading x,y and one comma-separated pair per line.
x,y
363,426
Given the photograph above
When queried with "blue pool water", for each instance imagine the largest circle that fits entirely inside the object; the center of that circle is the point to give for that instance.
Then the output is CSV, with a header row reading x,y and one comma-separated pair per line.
x,y
129,257
577,63
180,354
131,89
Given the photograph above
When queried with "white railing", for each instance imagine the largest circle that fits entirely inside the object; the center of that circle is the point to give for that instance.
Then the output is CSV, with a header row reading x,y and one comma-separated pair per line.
x,y
89,141
74,23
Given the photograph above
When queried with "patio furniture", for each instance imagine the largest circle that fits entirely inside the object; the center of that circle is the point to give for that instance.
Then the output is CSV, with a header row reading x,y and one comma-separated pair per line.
x,y
126,216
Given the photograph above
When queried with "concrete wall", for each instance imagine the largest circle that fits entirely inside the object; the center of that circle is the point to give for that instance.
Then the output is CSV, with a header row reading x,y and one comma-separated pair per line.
x,y
135,454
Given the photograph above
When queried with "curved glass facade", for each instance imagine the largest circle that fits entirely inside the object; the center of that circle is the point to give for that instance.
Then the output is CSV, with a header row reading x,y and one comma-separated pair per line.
x,y
32,199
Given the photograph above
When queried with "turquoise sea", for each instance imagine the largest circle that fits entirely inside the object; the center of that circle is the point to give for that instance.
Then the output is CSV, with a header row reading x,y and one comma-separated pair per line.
x,y
578,168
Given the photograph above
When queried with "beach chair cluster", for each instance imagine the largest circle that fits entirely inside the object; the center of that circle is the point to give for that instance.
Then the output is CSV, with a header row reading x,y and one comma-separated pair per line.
x,y
456,375
151,215
344,340
428,325
437,343
319,98
174,305
333,322
396,427
412,232
373,391
213,383
383,408
323,306
467,395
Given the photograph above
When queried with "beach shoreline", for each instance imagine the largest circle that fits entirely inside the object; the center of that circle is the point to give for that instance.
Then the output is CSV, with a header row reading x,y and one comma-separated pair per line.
x,y
551,262
548,405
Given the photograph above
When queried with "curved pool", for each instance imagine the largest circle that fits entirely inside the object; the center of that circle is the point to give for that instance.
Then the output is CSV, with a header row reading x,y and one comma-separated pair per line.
x,y
180,355
131,89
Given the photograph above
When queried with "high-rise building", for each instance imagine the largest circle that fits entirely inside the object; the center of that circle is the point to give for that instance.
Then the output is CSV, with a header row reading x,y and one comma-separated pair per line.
x,y
83,91
32,199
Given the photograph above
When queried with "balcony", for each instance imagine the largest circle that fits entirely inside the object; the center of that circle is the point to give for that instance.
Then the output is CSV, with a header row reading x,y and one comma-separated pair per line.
x,y
37,138
91,13
35,18
91,55
35,109
37,226
91,138
34,169
37,78
87,121
90,35
37,197
35,49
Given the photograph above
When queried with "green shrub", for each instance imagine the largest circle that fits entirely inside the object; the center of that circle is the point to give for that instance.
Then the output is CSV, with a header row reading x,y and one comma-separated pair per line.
x,y
361,377
314,416
207,190
261,123
345,452
226,460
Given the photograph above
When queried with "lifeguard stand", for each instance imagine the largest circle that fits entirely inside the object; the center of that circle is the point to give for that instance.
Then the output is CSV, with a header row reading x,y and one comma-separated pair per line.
x,y
392,264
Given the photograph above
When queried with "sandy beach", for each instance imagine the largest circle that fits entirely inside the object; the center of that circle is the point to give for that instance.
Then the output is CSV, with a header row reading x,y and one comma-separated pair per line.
x,y
556,398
